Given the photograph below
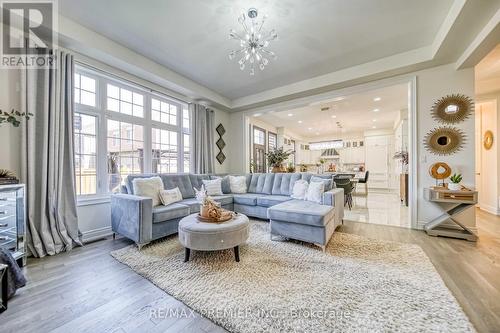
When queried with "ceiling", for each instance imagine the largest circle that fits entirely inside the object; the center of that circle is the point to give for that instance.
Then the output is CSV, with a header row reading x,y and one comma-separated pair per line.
x,y
316,37
488,73
354,112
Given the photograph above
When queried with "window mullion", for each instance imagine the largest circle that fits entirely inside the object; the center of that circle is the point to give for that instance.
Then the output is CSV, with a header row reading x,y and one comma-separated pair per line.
x,y
148,145
102,149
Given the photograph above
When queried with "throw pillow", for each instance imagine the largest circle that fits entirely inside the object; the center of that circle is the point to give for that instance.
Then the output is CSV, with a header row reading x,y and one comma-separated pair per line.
x,y
148,187
168,197
213,187
315,192
226,188
300,189
328,182
238,184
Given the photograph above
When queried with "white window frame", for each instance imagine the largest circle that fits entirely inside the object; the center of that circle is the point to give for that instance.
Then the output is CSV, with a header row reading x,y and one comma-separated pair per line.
x,y
102,115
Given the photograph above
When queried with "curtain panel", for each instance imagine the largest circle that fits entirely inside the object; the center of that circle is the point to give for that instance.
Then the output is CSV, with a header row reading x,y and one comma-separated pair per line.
x,y
48,166
202,125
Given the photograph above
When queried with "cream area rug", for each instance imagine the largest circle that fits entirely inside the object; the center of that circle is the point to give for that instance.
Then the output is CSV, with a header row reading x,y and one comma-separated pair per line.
x,y
358,285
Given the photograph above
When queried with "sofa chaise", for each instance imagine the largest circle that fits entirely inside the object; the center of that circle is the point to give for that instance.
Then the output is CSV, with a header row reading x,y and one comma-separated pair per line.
x,y
267,197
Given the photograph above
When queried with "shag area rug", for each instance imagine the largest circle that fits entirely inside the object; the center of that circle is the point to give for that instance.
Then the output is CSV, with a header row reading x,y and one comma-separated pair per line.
x,y
359,284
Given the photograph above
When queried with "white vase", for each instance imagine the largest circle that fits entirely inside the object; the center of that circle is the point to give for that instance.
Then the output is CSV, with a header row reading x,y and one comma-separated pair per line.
x,y
454,187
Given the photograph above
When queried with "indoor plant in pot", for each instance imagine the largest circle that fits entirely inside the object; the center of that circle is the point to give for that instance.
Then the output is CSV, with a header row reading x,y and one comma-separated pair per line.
x,y
455,182
276,158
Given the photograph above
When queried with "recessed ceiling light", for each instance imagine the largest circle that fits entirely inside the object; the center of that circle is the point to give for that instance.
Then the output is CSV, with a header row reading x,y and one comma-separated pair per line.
x,y
334,116
376,110
374,120
374,127
309,128
257,114
300,121
290,114
377,99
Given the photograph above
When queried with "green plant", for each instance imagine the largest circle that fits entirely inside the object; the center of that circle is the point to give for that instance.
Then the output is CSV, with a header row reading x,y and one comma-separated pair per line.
x,y
456,178
14,117
290,168
253,166
276,157
4,173
322,161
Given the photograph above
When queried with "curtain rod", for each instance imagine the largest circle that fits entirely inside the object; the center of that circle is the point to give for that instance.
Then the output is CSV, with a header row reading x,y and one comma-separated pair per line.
x,y
105,72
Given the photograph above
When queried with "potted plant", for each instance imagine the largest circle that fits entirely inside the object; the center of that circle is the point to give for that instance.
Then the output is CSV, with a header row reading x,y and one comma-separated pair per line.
x,y
455,182
13,117
290,168
276,158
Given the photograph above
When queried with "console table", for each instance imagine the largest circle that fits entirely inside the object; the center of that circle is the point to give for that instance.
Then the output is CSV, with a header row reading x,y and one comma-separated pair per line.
x,y
456,202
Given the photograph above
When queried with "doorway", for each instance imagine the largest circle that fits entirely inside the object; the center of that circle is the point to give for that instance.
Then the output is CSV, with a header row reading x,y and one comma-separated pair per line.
x,y
259,149
486,163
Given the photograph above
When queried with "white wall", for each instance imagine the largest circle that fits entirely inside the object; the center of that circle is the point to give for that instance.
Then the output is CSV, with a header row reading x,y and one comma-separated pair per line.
x,y
10,137
433,84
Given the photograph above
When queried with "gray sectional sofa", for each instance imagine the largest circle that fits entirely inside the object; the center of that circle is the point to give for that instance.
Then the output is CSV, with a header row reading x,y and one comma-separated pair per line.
x,y
267,197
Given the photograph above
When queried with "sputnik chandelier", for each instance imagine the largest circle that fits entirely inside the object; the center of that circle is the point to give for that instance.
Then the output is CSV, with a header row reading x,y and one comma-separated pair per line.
x,y
253,45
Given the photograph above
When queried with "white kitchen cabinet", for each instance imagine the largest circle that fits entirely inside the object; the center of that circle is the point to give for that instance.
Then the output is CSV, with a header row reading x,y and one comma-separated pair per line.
x,y
377,160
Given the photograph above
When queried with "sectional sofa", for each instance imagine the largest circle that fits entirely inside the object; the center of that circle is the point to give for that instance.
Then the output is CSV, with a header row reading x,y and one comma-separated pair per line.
x,y
267,197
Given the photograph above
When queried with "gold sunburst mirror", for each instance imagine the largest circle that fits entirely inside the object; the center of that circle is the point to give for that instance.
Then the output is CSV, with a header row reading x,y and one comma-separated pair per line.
x,y
444,140
488,140
452,109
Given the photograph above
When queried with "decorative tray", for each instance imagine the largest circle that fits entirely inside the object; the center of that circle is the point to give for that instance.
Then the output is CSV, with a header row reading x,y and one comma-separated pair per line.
x,y
209,220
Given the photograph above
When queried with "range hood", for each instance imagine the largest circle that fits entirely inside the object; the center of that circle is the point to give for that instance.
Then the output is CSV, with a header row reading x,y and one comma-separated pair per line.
x,y
331,153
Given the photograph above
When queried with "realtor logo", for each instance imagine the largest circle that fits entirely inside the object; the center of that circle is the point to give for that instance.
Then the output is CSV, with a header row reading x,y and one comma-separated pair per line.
x,y
28,32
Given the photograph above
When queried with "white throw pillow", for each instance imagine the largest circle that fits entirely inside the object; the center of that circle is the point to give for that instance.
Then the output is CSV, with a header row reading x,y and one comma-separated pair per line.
x,y
238,184
168,197
300,189
214,186
315,192
148,187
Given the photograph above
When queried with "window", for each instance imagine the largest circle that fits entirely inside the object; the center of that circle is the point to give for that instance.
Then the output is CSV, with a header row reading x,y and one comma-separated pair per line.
x,y
164,112
125,152
165,151
85,154
122,129
124,101
272,139
187,152
85,90
259,136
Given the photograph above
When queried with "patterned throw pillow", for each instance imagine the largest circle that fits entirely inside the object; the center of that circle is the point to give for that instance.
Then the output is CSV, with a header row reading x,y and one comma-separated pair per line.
x,y
168,197
238,184
300,189
214,186
315,192
148,187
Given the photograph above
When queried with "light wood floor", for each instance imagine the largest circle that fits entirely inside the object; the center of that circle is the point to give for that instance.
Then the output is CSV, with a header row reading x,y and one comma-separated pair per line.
x,y
88,291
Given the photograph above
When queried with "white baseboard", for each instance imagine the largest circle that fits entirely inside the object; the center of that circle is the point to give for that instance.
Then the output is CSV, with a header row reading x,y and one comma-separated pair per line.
x,y
489,209
92,235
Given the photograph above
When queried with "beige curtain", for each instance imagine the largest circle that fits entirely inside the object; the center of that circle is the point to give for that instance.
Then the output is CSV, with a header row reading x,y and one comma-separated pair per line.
x,y
48,158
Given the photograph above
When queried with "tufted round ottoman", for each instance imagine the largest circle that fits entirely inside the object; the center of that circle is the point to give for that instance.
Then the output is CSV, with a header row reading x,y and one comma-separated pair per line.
x,y
201,236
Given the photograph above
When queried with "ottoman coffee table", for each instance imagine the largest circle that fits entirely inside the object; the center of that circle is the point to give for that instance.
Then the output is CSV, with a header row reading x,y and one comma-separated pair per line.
x,y
202,236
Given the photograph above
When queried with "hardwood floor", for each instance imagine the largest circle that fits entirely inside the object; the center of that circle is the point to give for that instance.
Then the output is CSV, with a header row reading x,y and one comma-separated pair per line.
x,y
86,290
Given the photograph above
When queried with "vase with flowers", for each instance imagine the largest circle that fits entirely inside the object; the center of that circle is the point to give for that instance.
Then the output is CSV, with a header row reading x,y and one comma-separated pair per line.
x,y
277,157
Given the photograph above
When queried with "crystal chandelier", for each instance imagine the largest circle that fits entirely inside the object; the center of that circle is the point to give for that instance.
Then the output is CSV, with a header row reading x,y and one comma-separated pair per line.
x,y
253,45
